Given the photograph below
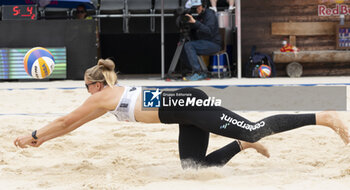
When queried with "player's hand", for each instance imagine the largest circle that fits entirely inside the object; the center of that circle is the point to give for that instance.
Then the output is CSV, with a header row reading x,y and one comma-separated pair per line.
x,y
25,141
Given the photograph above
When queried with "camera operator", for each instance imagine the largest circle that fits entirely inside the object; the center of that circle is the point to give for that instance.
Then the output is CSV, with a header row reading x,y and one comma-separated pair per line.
x,y
205,37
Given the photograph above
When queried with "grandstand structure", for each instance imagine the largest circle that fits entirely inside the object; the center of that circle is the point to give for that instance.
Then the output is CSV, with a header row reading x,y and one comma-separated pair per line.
x,y
114,20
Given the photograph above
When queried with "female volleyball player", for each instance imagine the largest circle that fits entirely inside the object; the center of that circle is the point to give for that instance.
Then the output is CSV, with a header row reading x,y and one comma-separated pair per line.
x,y
195,121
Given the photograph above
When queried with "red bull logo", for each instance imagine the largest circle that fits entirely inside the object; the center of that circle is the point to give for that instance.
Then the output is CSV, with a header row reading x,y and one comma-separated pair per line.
x,y
339,9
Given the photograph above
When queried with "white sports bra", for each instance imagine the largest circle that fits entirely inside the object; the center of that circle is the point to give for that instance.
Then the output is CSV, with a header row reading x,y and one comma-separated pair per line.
x,y
125,109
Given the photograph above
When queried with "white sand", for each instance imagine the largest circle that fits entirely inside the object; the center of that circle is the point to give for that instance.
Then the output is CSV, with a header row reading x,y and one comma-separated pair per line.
x,y
106,154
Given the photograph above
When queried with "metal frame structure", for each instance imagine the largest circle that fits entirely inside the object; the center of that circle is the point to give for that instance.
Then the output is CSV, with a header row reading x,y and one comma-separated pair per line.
x,y
239,38
126,16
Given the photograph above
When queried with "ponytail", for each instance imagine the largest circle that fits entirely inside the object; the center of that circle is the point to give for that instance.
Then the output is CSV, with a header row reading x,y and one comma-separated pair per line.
x,y
102,72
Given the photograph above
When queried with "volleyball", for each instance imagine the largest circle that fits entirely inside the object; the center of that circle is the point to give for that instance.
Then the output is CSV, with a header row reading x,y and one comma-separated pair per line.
x,y
264,71
39,63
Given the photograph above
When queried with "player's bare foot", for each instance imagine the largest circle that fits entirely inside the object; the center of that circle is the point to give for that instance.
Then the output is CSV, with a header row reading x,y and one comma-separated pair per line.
x,y
257,146
332,120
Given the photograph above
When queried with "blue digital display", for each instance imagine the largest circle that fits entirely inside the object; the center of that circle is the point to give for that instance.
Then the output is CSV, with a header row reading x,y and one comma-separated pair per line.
x,y
11,63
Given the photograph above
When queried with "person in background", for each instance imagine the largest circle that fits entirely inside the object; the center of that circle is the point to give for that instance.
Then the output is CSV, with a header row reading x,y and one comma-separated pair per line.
x,y
81,13
205,37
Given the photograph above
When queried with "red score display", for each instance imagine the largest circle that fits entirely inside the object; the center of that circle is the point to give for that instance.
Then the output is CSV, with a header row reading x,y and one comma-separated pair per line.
x,y
19,12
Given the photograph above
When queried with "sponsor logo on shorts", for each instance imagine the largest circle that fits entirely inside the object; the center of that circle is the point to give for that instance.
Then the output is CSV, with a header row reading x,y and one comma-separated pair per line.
x,y
240,124
224,126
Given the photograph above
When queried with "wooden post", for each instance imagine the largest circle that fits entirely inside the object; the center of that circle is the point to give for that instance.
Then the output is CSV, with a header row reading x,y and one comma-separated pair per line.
x,y
293,40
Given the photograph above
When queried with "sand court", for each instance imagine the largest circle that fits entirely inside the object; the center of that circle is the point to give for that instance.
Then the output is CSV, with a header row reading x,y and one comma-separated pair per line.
x,y
107,154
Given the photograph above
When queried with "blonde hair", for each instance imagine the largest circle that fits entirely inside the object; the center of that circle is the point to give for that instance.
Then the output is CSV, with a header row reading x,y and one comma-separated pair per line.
x,y
102,72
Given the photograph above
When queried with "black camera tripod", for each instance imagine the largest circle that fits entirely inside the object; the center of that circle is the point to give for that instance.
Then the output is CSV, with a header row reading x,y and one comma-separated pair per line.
x,y
177,54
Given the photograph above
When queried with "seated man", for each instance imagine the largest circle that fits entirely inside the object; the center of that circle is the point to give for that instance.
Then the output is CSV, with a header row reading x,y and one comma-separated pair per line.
x,y
205,38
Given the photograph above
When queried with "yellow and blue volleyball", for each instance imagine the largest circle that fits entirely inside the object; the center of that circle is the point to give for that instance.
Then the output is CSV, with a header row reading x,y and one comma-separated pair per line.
x,y
264,71
39,62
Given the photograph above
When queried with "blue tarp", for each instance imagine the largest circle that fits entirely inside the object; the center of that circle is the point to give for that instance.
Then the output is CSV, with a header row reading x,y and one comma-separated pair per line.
x,y
51,3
